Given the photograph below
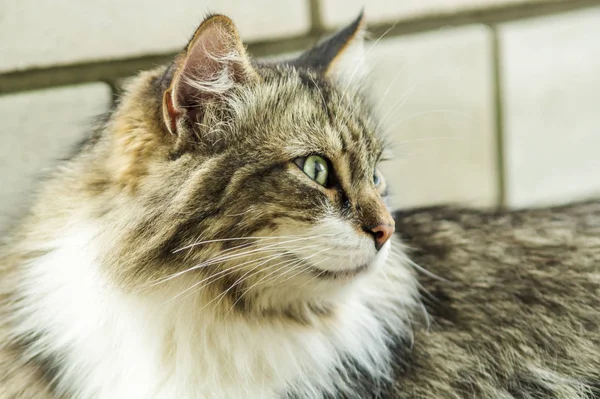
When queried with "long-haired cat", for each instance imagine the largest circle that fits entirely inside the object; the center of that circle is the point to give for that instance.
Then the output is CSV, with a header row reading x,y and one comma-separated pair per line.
x,y
225,235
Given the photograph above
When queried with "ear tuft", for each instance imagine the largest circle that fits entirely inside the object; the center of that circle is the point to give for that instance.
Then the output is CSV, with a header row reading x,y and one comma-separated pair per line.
x,y
341,55
213,62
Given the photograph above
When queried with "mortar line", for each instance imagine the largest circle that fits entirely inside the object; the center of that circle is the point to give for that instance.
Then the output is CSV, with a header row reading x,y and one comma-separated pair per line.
x,y
114,70
499,116
316,21
115,93
489,16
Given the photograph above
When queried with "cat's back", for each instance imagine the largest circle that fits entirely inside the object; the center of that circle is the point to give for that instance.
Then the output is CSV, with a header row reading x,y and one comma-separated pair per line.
x,y
515,308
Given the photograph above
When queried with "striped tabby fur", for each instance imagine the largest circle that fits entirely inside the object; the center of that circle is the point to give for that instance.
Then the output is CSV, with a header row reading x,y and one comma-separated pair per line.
x,y
184,253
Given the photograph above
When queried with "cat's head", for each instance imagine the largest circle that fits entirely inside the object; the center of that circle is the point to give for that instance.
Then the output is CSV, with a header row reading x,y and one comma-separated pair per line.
x,y
253,180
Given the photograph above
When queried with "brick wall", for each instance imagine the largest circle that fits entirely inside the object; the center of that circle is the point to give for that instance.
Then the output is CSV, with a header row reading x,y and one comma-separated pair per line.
x,y
487,102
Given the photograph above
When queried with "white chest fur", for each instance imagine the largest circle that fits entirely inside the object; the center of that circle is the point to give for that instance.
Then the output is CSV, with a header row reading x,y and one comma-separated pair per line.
x,y
120,346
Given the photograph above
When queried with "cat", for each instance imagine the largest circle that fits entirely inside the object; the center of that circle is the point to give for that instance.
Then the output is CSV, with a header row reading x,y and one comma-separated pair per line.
x,y
225,234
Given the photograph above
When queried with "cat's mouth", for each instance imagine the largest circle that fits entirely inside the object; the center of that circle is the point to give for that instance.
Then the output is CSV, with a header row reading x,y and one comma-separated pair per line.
x,y
338,274
331,274
320,272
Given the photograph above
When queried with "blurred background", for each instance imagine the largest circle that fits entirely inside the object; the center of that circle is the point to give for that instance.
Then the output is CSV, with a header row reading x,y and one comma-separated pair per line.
x,y
487,102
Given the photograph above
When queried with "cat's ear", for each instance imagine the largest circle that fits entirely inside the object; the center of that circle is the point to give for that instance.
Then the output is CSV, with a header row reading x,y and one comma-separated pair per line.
x,y
212,63
341,55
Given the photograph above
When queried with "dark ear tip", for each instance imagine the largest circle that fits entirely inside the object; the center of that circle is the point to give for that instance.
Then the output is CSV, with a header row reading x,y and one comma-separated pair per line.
x,y
217,18
212,20
360,21
322,56
357,25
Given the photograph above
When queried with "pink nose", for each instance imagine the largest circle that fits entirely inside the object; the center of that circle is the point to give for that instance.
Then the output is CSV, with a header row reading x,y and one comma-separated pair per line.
x,y
382,234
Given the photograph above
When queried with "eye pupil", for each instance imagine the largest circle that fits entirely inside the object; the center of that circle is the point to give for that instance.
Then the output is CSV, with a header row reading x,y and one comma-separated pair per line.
x,y
316,168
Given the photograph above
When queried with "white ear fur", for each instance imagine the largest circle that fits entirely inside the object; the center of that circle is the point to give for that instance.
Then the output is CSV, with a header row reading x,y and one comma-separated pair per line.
x,y
215,59
212,63
217,79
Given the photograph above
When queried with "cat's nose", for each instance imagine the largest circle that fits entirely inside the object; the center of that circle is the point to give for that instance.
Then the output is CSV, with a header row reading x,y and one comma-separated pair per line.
x,y
382,234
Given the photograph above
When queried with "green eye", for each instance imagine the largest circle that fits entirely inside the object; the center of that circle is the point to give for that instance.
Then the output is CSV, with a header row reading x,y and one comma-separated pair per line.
x,y
316,168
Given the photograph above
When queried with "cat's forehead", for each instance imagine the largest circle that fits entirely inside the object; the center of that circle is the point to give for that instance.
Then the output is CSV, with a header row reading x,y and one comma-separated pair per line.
x,y
315,114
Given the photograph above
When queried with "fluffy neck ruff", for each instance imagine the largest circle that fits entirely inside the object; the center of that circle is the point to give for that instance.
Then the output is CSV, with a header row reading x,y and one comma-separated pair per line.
x,y
107,344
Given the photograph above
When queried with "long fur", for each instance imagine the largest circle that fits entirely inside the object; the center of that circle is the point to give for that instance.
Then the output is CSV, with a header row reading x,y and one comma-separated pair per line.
x,y
183,253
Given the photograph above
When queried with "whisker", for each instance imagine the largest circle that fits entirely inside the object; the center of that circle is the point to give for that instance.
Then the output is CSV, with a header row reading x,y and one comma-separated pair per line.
x,y
427,272
292,263
282,264
398,104
223,273
433,111
424,139
318,89
245,275
297,265
300,261
318,274
229,257
362,60
353,96
249,274
419,268
426,315
295,274
241,238
389,88
214,261
214,277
